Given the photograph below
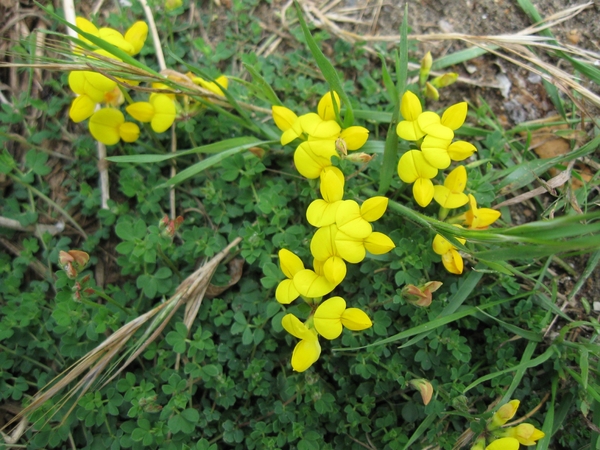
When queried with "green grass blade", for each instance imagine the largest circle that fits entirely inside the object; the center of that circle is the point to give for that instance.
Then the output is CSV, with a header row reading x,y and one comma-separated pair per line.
x,y
420,430
326,67
429,326
402,61
261,83
459,57
205,164
217,147
390,87
523,365
529,335
549,418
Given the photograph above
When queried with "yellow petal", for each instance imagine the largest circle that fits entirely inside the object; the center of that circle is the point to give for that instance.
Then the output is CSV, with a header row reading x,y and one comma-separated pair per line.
x,y
373,208
305,354
321,213
423,191
435,152
97,85
349,220
283,117
409,130
290,263
378,243
334,269
311,285
350,249
322,244
410,106
141,111
318,128
412,165
327,318
286,293
76,82
456,180
136,36
165,112
295,327
311,157
332,185
427,120
356,320
104,125
441,245
455,116
325,106
354,137
461,150
453,262
449,199
504,444
505,413
129,132
115,38
81,108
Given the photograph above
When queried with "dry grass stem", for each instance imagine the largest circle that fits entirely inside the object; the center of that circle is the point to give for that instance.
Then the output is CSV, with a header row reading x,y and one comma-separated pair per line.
x,y
91,366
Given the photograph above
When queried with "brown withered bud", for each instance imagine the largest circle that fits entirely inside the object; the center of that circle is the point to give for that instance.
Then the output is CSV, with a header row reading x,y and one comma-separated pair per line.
x,y
424,387
420,295
360,158
257,151
73,261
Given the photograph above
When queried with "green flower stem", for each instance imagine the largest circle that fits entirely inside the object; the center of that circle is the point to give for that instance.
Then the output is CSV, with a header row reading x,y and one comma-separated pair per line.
x,y
168,262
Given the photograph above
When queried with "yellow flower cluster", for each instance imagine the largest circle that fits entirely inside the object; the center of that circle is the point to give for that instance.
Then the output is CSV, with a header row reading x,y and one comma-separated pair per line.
x,y
434,136
508,438
344,231
108,125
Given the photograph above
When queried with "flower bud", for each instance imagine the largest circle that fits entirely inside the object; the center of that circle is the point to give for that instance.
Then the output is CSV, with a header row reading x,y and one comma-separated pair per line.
x,y
504,414
360,158
420,295
424,387
426,63
431,92
444,80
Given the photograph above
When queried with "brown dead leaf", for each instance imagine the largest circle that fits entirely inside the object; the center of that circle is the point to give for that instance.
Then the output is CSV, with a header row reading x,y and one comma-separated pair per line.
x,y
551,141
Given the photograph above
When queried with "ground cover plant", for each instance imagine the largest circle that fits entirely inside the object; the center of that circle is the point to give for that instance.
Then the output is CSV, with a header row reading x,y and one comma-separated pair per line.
x,y
316,244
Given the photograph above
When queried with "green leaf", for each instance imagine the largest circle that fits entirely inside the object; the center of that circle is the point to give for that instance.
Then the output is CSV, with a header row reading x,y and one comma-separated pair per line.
x,y
124,231
36,161
326,67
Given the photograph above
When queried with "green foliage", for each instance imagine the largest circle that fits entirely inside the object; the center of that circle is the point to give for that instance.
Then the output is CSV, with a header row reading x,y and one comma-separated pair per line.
x,y
226,382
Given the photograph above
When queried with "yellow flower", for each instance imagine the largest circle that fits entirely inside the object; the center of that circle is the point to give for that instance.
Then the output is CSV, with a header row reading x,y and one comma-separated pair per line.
x,y
479,218
109,127
321,212
451,195
160,111
413,168
308,350
350,221
504,414
290,265
525,433
287,121
312,157
410,108
316,128
451,259
324,250
332,315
